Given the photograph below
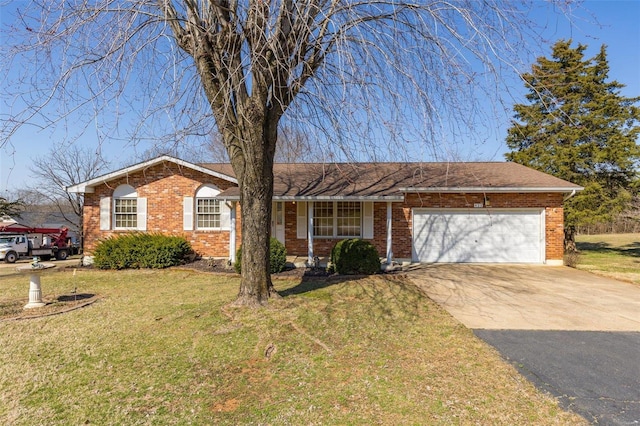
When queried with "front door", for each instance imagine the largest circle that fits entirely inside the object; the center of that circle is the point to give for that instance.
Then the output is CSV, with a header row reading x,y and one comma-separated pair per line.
x,y
277,221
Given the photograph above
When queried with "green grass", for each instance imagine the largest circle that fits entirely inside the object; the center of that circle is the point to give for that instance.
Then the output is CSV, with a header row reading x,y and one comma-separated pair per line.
x,y
164,348
613,255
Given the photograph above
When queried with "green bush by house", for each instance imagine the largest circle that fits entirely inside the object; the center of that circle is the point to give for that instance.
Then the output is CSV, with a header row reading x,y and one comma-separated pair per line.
x,y
355,256
140,250
277,257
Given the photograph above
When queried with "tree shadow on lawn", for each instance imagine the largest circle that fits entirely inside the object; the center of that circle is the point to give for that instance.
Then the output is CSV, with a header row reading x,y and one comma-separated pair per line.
x,y
394,285
75,297
384,296
311,282
629,250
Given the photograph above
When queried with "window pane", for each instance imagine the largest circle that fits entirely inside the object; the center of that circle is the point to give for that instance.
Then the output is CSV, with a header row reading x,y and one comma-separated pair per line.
x,y
323,219
348,218
126,210
279,214
208,213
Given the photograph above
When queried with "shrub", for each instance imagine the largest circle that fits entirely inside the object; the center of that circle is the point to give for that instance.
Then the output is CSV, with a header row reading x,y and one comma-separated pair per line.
x,y
277,257
140,250
355,256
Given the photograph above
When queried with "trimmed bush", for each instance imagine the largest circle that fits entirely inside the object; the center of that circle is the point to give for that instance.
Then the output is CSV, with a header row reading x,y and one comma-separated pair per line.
x,y
355,256
277,257
140,250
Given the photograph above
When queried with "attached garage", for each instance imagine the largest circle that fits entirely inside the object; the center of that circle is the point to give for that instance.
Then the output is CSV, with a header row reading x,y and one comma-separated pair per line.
x,y
478,236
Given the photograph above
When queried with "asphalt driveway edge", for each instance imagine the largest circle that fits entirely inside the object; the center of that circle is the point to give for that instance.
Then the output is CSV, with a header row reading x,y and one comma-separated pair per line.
x,y
594,374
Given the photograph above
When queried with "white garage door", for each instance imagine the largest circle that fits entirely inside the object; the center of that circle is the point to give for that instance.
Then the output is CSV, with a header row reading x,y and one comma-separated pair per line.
x,y
478,236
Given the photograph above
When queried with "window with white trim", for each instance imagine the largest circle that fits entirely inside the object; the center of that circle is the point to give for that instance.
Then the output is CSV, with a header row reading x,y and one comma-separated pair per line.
x,y
125,207
208,209
323,219
337,219
348,219
126,213
208,213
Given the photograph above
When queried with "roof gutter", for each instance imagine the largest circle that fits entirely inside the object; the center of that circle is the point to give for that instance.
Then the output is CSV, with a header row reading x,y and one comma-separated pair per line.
x,y
320,198
338,198
484,189
569,195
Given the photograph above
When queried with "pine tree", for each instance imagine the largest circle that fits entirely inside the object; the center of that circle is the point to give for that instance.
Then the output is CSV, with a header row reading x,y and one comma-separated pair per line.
x,y
10,208
578,127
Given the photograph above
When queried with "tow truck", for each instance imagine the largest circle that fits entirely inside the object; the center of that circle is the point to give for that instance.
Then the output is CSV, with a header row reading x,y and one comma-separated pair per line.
x,y
21,241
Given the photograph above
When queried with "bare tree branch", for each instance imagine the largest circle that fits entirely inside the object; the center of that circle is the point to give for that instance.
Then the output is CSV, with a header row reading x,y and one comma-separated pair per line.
x,y
361,78
59,169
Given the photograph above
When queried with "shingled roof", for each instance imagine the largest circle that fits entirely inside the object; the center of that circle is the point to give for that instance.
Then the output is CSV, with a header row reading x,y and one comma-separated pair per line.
x,y
391,180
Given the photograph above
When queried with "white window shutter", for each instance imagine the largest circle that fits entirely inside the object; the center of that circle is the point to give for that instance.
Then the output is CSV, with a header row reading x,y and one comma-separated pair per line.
x,y
142,213
367,220
187,213
225,216
301,220
105,213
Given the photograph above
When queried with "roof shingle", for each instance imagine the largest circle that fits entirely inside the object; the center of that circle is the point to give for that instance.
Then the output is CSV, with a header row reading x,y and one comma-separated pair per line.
x,y
391,180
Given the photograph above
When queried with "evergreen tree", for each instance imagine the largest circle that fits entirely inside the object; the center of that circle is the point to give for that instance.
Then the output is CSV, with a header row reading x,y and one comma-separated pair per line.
x,y
578,127
10,208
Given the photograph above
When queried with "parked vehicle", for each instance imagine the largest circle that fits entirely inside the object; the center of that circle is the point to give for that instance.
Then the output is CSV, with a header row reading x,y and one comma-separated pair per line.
x,y
20,241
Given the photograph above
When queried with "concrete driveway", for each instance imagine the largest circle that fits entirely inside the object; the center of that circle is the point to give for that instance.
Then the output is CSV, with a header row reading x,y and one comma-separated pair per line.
x,y
530,297
572,334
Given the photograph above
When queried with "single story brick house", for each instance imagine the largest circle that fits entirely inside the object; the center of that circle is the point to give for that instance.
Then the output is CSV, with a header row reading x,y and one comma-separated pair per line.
x,y
478,212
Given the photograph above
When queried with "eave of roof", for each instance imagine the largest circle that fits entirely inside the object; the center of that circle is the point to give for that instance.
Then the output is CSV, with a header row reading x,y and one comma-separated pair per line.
x,y
340,197
88,186
234,197
487,189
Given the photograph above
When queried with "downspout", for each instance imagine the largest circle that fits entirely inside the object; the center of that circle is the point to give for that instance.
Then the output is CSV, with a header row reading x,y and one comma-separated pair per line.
x,y
310,257
571,194
232,232
389,234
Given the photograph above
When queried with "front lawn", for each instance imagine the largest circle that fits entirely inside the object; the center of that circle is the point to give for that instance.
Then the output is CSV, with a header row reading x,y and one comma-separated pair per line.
x,y
163,347
613,255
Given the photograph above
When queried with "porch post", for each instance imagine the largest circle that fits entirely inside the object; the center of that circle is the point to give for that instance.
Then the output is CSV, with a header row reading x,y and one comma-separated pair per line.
x,y
389,233
232,233
310,261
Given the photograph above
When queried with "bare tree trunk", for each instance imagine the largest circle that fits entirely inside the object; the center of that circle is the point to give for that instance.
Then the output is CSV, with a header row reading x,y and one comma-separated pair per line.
x,y
255,177
255,201
570,239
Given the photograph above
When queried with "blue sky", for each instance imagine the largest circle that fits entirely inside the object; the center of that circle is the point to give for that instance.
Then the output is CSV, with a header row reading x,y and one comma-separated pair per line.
x,y
619,29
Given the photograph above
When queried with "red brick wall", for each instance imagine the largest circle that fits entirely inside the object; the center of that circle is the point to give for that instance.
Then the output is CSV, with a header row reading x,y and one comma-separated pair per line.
x,y
164,186
293,245
554,233
380,228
